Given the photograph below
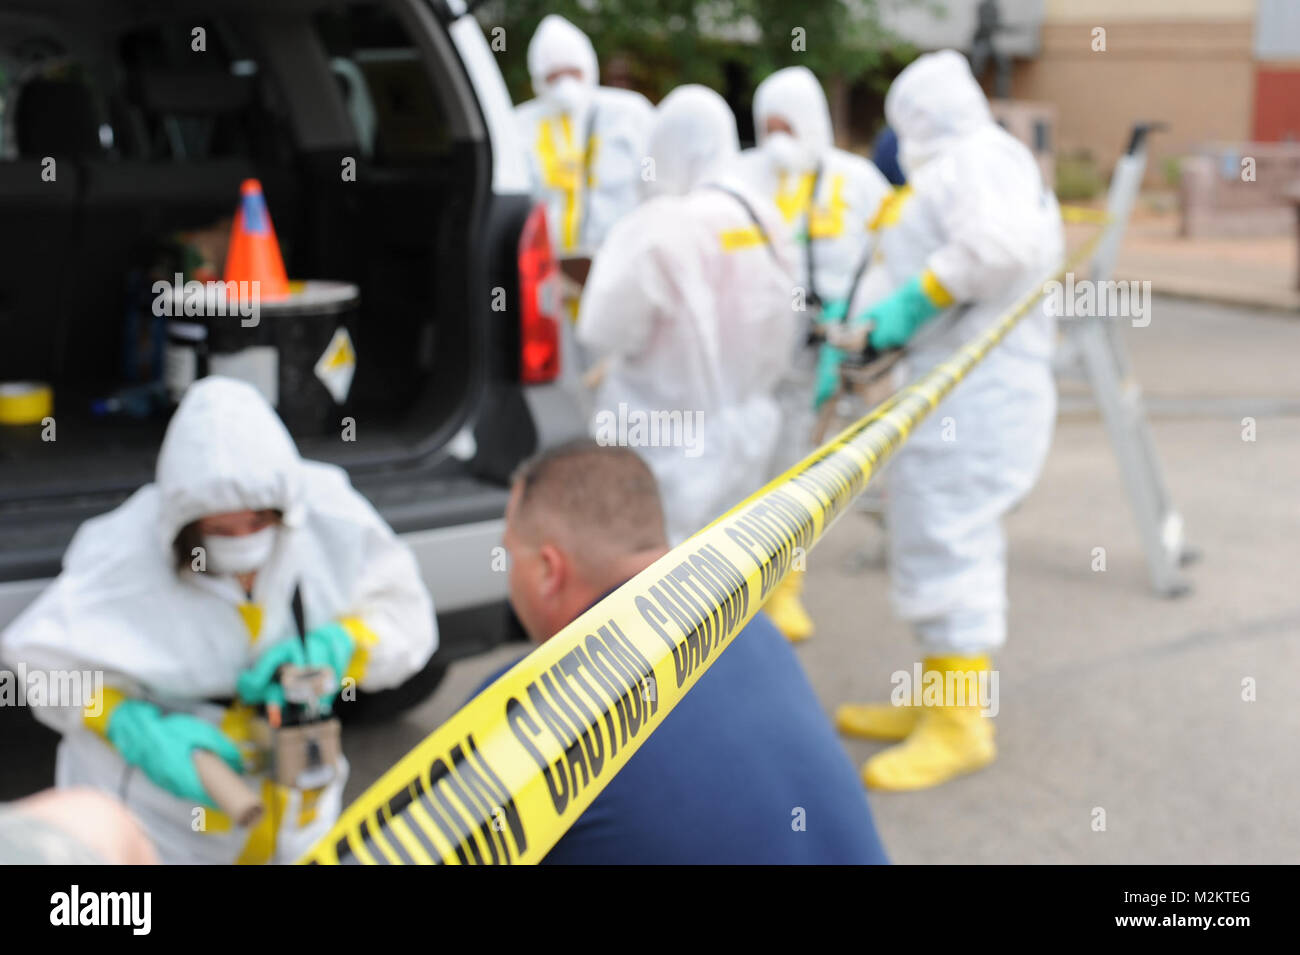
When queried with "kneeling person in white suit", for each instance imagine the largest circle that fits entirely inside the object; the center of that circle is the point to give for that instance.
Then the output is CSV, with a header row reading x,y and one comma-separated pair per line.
x,y
189,598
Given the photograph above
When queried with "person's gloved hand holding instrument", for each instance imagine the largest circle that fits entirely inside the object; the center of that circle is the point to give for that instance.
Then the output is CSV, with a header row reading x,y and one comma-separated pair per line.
x,y
330,645
298,681
829,358
892,322
163,746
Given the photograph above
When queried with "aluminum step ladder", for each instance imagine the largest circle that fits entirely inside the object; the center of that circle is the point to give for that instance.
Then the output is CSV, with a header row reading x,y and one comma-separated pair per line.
x,y
1094,343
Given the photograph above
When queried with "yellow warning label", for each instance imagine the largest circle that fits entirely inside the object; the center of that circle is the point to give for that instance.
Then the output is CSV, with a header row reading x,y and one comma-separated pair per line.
x,y
506,776
337,365
748,237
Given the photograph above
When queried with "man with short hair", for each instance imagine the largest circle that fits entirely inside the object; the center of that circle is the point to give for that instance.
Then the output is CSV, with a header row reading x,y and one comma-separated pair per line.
x,y
746,768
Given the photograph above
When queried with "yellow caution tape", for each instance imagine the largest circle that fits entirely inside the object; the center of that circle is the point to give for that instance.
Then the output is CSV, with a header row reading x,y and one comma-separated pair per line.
x,y
507,775
25,402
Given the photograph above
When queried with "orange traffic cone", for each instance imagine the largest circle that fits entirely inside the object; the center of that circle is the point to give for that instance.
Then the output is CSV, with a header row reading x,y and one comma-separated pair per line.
x,y
254,253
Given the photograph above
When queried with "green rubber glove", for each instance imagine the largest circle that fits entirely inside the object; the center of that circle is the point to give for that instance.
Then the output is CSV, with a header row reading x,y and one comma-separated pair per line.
x,y
834,311
258,684
330,645
829,359
163,747
898,317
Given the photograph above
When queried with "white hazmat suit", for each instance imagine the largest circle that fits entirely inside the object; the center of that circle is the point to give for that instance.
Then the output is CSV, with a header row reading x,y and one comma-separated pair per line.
x,y
786,169
690,301
179,639
975,213
585,142
972,233
829,198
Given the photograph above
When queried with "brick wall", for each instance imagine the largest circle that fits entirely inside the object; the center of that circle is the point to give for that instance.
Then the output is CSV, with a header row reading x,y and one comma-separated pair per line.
x,y
1197,76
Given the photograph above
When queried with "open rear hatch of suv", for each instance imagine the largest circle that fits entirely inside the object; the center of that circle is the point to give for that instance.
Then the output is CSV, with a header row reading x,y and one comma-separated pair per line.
x,y
128,131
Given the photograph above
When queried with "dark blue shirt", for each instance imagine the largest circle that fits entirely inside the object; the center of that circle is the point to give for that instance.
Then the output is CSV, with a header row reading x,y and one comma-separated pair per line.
x,y
885,155
745,769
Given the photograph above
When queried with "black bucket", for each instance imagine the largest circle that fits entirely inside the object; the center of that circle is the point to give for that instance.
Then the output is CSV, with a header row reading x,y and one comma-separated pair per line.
x,y
297,352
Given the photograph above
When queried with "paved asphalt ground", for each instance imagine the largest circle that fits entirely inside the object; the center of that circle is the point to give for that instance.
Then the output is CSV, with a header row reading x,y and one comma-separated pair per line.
x,y
1111,698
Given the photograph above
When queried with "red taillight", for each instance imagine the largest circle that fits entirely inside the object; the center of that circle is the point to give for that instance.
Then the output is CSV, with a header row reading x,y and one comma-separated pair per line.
x,y
539,296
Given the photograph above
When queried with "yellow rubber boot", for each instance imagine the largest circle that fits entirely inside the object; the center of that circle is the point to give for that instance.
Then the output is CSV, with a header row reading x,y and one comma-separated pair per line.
x,y
877,720
951,738
787,610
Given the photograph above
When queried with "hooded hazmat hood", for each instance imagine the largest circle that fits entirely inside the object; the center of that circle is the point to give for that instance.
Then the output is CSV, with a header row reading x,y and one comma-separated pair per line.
x,y
225,450
694,134
795,96
559,45
932,103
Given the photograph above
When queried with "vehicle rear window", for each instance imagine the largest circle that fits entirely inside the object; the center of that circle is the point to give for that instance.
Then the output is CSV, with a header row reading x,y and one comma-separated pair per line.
x,y
389,94
184,104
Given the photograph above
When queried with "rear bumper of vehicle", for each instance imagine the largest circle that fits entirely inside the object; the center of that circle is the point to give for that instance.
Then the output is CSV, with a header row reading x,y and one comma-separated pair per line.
x,y
463,566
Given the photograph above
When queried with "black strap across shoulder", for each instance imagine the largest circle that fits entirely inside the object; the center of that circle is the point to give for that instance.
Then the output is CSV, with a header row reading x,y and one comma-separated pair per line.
x,y
299,618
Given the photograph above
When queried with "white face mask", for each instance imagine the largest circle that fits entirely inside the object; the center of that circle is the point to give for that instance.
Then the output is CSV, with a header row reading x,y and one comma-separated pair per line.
x,y
787,152
569,94
239,555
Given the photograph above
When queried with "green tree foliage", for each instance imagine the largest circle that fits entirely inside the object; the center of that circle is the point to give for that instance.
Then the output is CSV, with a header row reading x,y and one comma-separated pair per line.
x,y
665,43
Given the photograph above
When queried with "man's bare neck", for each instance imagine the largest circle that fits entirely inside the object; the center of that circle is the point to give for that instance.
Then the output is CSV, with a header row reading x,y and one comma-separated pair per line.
x,y
618,571
628,566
